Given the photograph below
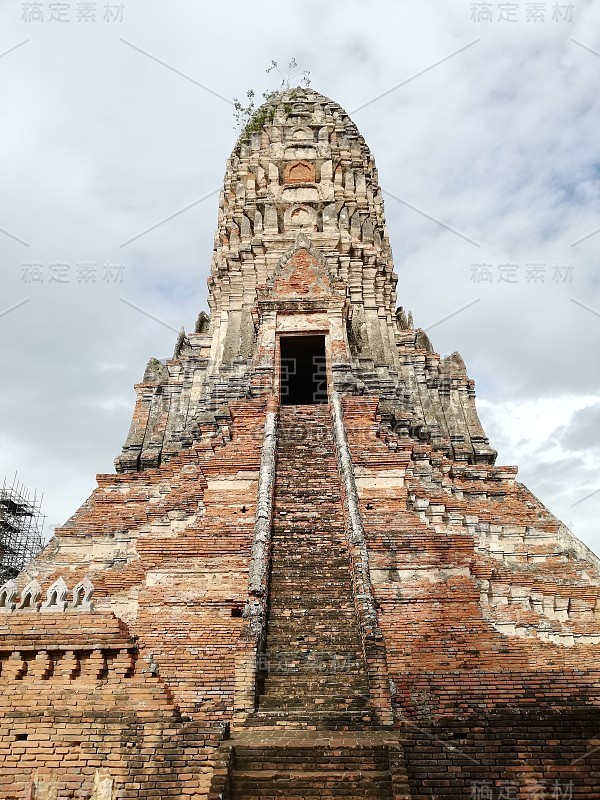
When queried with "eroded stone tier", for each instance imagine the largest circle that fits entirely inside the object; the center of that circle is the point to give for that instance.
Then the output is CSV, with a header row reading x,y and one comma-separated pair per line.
x,y
301,244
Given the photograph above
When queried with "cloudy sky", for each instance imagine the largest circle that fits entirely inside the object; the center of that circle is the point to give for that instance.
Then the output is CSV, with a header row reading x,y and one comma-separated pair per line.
x,y
483,119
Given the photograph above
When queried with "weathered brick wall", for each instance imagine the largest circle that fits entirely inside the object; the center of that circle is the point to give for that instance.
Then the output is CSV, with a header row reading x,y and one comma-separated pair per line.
x,y
81,706
515,753
143,691
515,701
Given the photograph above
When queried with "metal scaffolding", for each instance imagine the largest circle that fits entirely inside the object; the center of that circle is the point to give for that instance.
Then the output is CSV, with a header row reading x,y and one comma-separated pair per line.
x,y
21,528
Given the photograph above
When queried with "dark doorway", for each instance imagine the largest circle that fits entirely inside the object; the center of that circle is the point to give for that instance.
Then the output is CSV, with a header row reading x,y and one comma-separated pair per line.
x,y
303,376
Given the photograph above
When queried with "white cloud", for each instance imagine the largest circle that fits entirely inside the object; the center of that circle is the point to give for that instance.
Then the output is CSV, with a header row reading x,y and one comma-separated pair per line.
x,y
555,441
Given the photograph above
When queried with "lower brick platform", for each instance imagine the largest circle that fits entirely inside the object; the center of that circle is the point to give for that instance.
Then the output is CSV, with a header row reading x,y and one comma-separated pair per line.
x,y
308,765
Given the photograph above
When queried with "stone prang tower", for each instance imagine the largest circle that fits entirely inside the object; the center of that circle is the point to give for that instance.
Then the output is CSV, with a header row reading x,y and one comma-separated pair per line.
x,y
307,578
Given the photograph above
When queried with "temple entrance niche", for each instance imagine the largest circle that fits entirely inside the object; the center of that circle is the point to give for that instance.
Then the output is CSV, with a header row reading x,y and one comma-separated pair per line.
x,y
303,374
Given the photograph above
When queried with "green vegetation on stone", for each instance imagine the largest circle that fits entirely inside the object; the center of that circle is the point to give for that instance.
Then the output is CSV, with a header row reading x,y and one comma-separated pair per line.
x,y
249,119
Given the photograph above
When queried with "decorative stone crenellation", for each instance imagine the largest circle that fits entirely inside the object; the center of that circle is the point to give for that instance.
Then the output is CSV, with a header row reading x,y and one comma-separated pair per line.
x,y
56,597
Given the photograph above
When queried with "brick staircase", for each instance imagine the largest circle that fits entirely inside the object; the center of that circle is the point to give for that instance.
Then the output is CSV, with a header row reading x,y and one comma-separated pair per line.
x,y
313,735
314,665
302,770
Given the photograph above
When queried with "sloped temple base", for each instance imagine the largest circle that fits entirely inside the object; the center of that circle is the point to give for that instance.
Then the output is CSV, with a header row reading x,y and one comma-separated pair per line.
x,y
189,698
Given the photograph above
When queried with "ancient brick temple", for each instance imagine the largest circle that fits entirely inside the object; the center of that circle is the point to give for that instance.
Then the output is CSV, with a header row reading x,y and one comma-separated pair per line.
x,y
307,578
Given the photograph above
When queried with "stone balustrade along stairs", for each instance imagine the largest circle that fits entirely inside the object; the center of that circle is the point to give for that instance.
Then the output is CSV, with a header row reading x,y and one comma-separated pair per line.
x,y
314,663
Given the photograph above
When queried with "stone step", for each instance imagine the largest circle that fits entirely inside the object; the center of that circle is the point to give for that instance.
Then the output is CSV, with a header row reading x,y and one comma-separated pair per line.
x,y
292,589
307,568
298,424
292,530
316,442
343,654
309,486
324,678
298,432
297,503
307,536
342,681
317,550
310,558
289,593
298,558
340,660
370,758
290,598
311,634
310,490
294,497
327,661
308,572
328,580
309,549
306,624
308,720
308,575
289,462
307,785
322,704
322,526
287,495
354,685
325,706
302,624
315,475
300,632
289,601
293,642
308,633
299,458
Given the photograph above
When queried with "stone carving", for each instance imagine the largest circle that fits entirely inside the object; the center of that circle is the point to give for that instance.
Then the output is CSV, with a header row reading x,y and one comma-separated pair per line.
x,y
155,372
300,172
8,596
30,597
402,319
56,596
301,217
82,595
202,323
181,343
